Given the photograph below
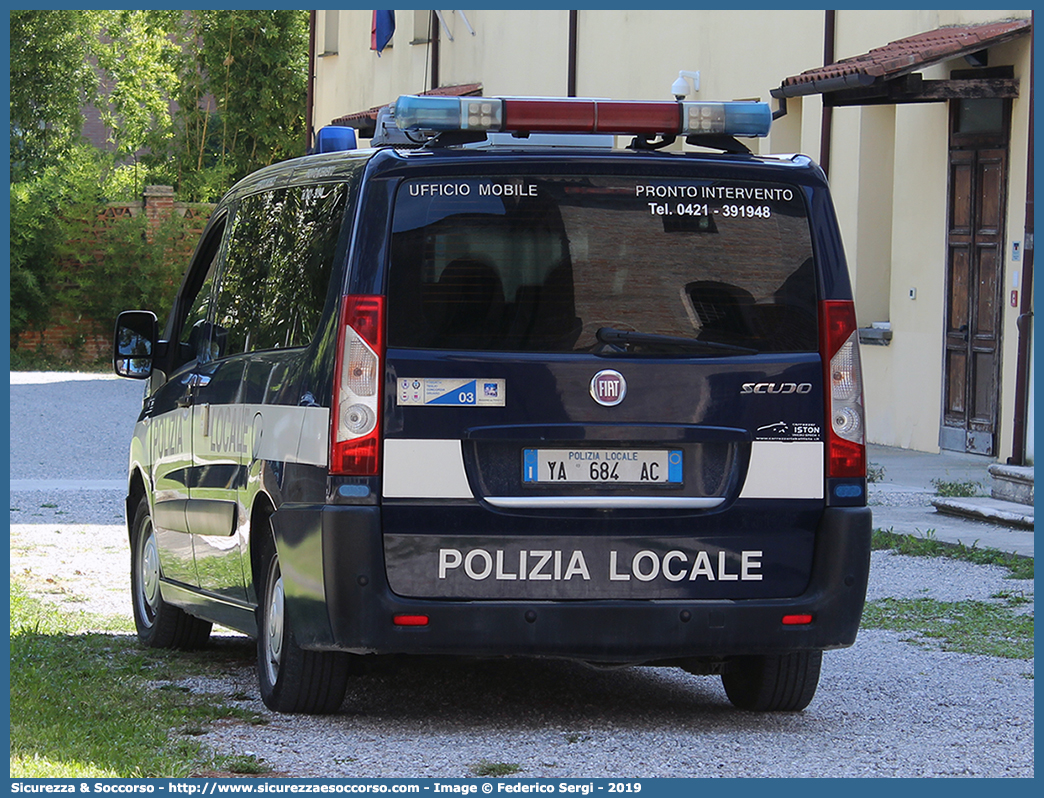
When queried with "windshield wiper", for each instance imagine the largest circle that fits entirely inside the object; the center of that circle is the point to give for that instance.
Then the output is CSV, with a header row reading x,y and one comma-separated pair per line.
x,y
654,342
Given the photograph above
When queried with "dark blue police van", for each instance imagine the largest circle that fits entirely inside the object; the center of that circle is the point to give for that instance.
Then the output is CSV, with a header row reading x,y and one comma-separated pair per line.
x,y
447,397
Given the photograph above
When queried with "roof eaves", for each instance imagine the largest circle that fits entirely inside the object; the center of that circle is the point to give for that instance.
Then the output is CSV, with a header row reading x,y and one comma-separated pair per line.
x,y
903,56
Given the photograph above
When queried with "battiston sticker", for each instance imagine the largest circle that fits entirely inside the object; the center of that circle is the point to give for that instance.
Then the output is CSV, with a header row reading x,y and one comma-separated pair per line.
x,y
784,431
426,391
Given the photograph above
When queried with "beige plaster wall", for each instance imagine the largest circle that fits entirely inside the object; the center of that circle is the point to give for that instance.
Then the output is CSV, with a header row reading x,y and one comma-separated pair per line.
x,y
1016,227
622,54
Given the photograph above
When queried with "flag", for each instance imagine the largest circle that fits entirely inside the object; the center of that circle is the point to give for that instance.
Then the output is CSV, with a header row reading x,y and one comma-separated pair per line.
x,y
382,30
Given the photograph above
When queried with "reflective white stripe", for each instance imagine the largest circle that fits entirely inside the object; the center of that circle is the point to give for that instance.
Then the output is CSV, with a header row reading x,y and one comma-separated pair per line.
x,y
284,433
434,469
607,502
314,446
280,428
424,469
784,470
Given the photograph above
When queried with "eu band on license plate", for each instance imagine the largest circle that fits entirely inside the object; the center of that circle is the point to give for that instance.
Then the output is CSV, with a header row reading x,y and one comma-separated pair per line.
x,y
597,466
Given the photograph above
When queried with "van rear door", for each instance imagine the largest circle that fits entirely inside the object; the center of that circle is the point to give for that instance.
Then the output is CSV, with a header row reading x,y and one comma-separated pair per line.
x,y
605,387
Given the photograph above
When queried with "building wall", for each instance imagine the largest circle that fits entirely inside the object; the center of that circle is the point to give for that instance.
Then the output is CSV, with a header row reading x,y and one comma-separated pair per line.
x,y
888,164
1017,175
621,54
893,221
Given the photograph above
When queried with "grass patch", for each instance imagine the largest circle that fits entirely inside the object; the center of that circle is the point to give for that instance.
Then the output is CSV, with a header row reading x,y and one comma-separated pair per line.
x,y
81,705
956,489
494,769
968,627
874,472
929,546
246,765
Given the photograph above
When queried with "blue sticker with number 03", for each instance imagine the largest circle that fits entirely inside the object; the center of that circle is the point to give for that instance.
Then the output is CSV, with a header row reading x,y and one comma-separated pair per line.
x,y
438,392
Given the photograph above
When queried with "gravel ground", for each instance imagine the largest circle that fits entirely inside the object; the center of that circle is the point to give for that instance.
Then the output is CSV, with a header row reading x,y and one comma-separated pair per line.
x,y
94,417
884,707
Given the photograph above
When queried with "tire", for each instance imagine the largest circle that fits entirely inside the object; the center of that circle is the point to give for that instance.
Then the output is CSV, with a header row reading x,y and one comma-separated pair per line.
x,y
783,683
159,624
292,679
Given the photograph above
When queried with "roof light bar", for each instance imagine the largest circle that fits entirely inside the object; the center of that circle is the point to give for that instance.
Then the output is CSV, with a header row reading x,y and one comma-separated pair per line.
x,y
448,113
731,119
531,115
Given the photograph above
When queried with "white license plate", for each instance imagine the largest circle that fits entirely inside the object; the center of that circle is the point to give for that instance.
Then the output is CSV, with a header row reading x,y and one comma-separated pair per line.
x,y
602,466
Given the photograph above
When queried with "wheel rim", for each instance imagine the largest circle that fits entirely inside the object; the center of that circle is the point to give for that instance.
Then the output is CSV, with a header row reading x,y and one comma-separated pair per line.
x,y
148,593
273,628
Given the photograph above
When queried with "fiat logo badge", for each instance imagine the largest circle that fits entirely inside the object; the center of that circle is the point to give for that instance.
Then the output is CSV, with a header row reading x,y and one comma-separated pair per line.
x,y
608,388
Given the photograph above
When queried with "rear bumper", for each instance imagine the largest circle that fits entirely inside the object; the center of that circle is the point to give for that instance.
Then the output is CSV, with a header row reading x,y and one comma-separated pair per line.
x,y
338,598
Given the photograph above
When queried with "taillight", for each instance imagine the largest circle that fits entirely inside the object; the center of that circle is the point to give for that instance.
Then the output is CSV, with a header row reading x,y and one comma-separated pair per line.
x,y
846,443
355,434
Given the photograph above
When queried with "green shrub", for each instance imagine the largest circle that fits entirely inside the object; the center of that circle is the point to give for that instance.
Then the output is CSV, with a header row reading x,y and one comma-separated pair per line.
x,y
34,234
115,266
39,203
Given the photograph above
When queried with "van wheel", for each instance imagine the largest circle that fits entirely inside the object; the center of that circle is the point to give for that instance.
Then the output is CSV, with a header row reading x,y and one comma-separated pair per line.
x,y
159,624
783,683
292,679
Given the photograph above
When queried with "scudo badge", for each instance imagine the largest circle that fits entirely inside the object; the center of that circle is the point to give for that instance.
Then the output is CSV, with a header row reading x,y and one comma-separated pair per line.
x,y
608,388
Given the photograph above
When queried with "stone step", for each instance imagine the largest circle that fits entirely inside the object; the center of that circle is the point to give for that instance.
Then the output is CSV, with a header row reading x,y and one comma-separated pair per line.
x,y
994,511
1012,483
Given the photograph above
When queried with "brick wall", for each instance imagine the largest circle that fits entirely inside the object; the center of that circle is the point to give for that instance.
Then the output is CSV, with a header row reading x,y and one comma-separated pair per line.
x,y
71,336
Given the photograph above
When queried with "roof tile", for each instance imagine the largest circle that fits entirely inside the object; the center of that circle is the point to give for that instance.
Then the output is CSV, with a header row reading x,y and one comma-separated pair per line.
x,y
915,52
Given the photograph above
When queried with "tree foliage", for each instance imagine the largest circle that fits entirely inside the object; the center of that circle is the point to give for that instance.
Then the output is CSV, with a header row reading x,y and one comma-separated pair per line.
x,y
140,60
37,208
183,92
243,84
51,80
193,99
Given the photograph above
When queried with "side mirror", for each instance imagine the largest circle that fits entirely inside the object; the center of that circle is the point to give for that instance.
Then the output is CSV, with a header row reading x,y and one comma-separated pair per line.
x,y
134,344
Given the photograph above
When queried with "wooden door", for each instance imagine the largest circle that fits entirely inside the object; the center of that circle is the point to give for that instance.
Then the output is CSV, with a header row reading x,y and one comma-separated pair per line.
x,y
975,269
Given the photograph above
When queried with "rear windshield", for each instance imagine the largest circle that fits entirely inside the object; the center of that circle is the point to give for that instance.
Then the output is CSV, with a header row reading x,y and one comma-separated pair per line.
x,y
542,264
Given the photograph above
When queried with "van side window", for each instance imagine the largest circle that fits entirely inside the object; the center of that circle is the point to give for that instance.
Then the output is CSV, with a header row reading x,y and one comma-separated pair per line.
x,y
195,335
276,270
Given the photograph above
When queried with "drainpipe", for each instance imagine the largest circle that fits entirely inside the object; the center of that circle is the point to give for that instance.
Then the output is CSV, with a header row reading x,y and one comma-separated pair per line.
x,y
1025,320
571,76
829,27
434,50
310,86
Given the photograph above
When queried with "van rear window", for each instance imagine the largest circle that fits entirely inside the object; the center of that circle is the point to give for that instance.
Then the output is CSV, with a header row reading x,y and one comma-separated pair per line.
x,y
541,264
